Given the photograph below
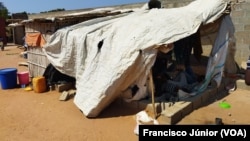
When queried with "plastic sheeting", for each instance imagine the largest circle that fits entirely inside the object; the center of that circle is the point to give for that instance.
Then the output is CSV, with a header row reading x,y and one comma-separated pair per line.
x,y
107,55
216,63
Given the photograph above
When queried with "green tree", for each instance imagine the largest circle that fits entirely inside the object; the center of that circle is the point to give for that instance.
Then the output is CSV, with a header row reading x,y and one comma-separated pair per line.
x,y
3,11
54,10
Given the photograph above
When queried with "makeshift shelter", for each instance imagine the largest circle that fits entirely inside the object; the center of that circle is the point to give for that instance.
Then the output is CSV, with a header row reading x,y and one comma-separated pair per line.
x,y
109,55
18,33
17,29
39,29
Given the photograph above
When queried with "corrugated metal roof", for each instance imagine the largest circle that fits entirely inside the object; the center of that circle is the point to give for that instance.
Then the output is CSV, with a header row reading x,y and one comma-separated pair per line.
x,y
78,15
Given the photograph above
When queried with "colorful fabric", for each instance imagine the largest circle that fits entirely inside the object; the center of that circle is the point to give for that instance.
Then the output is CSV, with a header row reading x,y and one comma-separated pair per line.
x,y
34,39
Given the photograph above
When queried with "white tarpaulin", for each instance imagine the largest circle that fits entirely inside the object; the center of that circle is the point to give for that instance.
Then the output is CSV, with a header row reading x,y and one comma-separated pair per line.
x,y
107,55
216,63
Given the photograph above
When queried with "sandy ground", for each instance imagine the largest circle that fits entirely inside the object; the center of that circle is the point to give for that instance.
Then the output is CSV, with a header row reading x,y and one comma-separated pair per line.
x,y
29,116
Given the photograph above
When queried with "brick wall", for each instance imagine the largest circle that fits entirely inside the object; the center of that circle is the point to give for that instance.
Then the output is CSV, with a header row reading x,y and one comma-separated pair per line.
x,y
241,19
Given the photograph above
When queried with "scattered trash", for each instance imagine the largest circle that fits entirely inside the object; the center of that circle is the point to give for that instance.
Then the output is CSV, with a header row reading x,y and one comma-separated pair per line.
x,y
23,64
224,105
67,95
142,118
24,54
218,121
12,53
231,87
64,96
28,89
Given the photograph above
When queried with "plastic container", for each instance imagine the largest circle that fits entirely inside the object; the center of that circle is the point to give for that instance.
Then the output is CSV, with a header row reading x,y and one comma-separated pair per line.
x,y
8,78
39,84
23,78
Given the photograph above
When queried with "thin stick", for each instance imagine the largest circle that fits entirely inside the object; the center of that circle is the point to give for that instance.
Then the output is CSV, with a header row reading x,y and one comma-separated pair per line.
x,y
152,92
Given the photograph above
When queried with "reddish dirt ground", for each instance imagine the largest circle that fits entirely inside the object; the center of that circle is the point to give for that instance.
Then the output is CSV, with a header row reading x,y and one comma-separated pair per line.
x,y
29,116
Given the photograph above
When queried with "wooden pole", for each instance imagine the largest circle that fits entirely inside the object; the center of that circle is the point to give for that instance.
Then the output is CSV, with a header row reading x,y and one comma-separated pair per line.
x,y
152,92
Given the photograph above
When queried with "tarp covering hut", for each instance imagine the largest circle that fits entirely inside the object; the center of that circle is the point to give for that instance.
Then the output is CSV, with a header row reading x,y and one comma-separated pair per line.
x,y
107,55
39,29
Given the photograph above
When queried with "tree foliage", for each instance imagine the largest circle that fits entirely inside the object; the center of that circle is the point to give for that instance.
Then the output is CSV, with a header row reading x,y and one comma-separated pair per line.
x,y
3,11
54,10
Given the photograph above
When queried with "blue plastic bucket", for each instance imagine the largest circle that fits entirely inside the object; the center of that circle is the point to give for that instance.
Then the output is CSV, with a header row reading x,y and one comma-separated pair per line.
x,y
8,78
